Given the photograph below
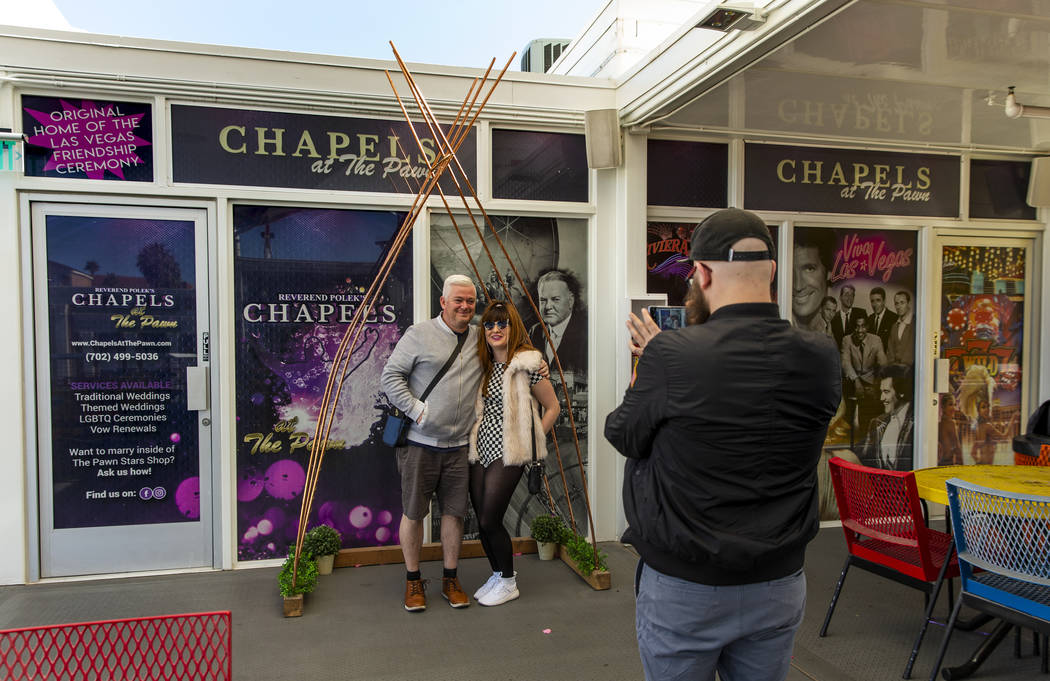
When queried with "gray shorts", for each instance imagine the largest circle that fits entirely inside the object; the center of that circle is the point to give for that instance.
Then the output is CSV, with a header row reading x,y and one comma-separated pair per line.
x,y
424,472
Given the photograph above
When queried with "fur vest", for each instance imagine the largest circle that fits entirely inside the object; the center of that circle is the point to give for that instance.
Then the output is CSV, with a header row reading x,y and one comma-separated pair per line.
x,y
520,415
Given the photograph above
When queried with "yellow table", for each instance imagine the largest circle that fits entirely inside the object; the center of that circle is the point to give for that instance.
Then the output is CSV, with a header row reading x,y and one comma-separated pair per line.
x,y
1017,479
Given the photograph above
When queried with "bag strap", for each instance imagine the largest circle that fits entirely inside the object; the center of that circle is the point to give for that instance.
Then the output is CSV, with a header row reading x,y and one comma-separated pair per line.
x,y
532,434
448,364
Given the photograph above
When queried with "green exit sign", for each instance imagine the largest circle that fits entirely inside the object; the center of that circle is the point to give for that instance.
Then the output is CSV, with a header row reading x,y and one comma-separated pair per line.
x,y
10,156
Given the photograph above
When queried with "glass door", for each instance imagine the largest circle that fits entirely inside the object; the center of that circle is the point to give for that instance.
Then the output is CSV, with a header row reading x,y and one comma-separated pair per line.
x,y
121,327
982,369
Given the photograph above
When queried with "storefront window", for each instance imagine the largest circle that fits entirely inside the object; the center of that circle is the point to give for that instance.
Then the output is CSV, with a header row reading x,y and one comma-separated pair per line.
x,y
299,276
539,166
667,263
982,329
999,189
550,255
687,174
857,287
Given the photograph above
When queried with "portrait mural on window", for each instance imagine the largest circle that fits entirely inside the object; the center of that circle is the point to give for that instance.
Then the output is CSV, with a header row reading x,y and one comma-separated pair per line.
x,y
857,287
550,255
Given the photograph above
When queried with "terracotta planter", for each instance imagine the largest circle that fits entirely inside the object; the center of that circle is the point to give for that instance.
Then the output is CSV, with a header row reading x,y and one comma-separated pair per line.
x,y
546,549
325,563
293,606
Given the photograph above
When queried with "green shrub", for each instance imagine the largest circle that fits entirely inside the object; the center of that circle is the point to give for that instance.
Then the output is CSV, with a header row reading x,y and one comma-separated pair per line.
x,y
582,553
306,579
548,528
323,540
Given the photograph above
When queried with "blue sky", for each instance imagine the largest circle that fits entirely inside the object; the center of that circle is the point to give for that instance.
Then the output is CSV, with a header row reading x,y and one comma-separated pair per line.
x,y
454,32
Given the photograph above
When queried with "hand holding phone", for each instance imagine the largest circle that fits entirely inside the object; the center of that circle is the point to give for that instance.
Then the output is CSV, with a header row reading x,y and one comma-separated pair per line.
x,y
641,328
668,317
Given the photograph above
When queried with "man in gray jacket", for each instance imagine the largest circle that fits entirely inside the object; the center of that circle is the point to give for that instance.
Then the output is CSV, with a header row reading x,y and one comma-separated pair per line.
x,y
435,456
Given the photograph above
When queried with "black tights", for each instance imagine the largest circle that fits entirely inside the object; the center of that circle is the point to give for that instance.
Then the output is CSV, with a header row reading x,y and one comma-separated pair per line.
x,y
490,491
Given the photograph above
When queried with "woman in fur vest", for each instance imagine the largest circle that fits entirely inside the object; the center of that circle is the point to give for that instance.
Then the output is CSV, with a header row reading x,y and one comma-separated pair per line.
x,y
507,427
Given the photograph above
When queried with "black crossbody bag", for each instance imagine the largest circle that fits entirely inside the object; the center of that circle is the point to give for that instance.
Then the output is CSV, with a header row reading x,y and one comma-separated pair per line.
x,y
397,422
535,474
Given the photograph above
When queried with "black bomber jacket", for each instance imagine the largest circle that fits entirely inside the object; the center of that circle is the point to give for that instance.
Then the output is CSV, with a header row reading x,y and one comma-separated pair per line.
x,y
723,430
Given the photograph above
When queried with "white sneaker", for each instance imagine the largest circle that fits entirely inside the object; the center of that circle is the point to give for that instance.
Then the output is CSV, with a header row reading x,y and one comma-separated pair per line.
x,y
505,590
487,586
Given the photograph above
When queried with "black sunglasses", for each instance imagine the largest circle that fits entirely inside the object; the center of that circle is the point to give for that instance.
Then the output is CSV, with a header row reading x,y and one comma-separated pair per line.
x,y
501,324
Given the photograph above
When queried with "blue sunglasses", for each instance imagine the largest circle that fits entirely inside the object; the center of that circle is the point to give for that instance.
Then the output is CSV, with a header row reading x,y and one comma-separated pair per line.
x,y
502,324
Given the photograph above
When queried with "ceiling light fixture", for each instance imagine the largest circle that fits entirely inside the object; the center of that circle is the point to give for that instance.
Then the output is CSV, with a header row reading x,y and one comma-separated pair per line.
x,y
742,17
1014,109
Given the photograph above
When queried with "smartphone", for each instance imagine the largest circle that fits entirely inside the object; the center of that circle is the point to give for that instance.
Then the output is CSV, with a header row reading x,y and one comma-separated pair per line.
x,y
668,317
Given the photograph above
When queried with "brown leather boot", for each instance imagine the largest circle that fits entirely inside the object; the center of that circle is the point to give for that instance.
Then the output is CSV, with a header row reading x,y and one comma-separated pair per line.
x,y
415,599
453,593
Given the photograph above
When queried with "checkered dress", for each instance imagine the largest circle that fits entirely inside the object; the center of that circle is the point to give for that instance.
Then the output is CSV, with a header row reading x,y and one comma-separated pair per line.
x,y
490,432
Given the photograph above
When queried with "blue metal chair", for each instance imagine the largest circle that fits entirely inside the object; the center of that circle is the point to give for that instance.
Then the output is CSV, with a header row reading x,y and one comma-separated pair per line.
x,y
1003,545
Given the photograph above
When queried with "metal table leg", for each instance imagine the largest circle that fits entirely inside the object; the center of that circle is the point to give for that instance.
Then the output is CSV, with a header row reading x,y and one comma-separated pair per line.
x,y
980,655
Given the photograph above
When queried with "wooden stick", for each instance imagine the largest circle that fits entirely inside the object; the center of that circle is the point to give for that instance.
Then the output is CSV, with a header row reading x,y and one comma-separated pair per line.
x,y
572,420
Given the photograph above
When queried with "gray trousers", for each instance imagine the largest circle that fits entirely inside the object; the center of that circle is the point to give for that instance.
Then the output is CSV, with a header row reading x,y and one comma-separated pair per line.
x,y
688,631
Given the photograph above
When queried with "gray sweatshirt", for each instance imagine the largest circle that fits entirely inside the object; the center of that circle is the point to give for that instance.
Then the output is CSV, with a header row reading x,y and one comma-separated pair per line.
x,y
416,359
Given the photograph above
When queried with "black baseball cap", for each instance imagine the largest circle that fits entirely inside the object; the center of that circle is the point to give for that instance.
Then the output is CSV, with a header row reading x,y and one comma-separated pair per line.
x,y
713,238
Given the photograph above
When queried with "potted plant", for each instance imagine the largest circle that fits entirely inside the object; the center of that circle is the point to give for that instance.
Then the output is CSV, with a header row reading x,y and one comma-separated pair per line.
x,y
305,581
548,531
323,542
589,563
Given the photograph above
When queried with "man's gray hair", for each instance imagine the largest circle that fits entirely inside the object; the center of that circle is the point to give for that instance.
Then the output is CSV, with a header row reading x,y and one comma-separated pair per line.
x,y
456,280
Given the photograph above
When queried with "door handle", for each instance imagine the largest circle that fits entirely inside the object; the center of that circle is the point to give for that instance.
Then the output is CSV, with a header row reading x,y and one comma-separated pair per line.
x,y
940,375
197,392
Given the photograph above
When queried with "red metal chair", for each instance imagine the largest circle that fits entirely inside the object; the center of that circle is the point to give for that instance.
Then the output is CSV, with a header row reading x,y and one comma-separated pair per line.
x,y
1025,459
886,534
193,647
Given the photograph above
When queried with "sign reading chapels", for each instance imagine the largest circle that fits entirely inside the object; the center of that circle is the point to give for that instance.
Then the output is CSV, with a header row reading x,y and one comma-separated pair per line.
x,y
212,145
850,181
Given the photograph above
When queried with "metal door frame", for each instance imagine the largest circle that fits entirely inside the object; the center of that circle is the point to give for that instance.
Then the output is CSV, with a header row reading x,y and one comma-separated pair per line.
x,y
37,396
1030,371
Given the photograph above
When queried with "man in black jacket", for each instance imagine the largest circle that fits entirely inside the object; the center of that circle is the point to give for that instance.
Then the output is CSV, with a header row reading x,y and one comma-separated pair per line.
x,y
723,430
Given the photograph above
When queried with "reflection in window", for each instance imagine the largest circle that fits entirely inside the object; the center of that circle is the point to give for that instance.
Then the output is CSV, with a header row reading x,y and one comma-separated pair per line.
x,y
539,166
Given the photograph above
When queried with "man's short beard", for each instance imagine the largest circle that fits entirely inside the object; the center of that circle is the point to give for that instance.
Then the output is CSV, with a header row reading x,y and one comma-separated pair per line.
x,y
697,309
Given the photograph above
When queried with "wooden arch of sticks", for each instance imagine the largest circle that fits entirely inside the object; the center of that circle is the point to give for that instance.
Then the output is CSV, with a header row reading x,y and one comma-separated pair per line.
x,y
445,161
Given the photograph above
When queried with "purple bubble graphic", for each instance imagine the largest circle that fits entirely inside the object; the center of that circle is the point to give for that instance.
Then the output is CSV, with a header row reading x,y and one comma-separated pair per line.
x,y
383,534
250,485
251,534
175,437
265,527
285,479
257,398
276,516
336,514
384,518
361,516
188,498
